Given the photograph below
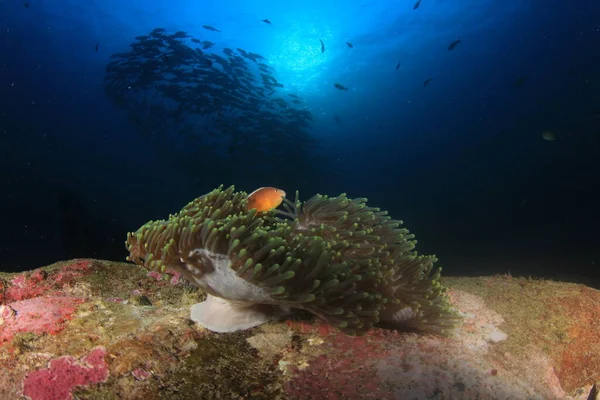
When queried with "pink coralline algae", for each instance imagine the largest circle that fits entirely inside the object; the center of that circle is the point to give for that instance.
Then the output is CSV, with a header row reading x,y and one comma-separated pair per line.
x,y
115,299
391,365
521,339
39,282
65,373
347,369
175,279
156,275
38,315
140,374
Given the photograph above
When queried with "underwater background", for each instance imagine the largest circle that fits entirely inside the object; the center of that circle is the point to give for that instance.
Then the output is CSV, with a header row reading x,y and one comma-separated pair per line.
x,y
477,123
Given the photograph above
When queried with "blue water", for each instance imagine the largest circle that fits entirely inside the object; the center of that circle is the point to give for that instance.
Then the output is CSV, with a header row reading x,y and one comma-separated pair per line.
x,y
462,161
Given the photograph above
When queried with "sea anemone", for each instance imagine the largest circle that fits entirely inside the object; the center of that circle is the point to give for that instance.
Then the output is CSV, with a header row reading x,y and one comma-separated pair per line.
x,y
346,262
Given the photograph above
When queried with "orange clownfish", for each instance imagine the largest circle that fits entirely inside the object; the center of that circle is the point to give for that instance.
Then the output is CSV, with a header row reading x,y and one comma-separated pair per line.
x,y
265,198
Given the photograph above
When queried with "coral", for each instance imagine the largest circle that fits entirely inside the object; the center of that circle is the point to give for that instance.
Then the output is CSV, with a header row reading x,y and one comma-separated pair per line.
x,y
65,373
350,264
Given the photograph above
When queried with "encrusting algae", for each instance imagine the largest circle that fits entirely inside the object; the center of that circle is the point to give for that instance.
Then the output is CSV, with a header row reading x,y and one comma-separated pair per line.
x,y
346,262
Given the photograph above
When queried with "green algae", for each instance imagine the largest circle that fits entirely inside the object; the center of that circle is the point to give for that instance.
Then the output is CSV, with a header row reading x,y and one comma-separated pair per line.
x,y
530,307
120,280
221,367
24,342
114,279
226,366
140,300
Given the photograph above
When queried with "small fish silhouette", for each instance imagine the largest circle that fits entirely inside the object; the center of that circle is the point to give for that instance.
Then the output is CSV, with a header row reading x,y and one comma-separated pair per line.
x,y
549,136
322,46
453,44
210,28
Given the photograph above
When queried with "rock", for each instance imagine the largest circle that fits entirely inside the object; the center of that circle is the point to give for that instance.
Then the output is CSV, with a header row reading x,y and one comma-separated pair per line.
x,y
103,330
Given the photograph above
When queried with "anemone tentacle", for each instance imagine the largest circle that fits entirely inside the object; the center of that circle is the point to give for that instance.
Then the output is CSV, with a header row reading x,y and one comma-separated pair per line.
x,y
338,258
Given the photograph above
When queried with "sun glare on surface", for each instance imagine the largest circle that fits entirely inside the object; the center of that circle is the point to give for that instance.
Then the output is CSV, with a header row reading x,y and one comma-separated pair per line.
x,y
297,56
